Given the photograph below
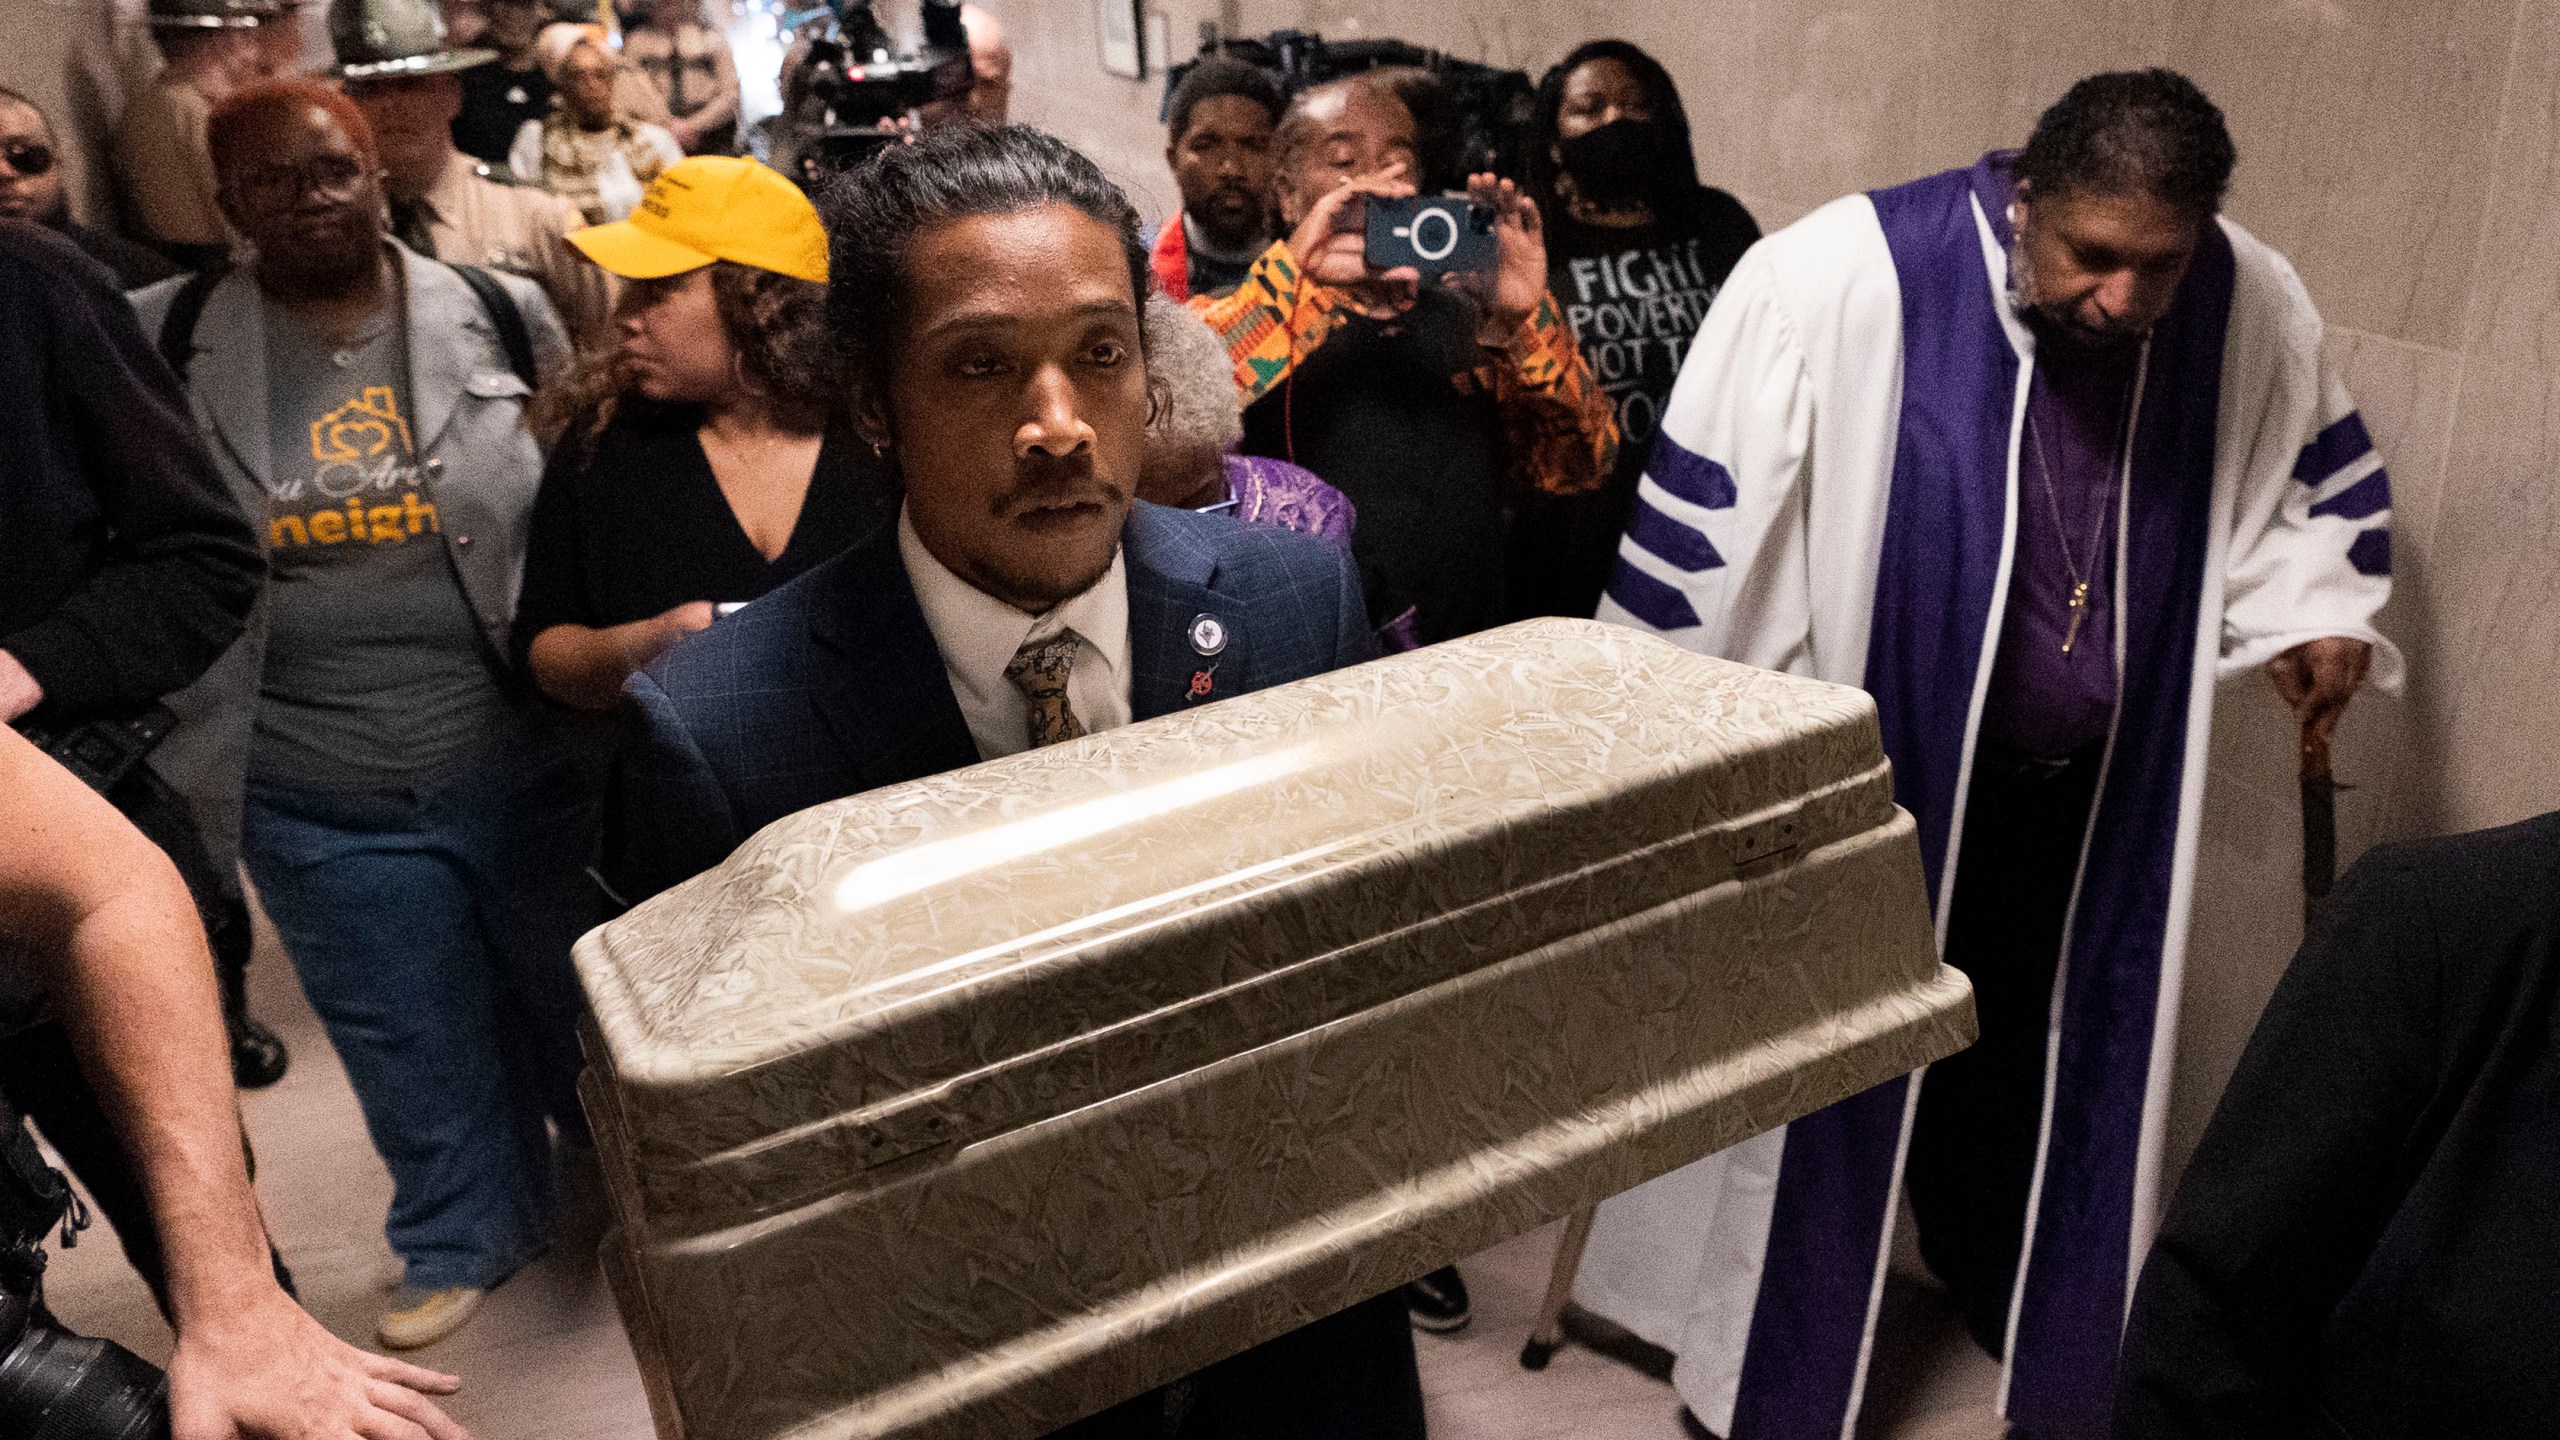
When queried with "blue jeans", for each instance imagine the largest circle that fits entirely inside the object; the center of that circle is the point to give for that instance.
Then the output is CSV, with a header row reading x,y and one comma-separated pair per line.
x,y
431,926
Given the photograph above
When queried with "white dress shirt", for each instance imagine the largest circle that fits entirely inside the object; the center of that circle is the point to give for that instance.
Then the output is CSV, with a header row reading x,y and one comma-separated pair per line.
x,y
979,634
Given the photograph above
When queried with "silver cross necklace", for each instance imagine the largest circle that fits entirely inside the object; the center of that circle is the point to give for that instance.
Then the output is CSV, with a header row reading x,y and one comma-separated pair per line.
x,y
2097,532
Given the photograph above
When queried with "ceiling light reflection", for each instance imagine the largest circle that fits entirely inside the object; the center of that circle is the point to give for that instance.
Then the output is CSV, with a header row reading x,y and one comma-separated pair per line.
x,y
893,877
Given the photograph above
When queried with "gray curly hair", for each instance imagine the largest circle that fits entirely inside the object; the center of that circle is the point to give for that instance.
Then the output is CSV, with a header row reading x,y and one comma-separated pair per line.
x,y
1202,409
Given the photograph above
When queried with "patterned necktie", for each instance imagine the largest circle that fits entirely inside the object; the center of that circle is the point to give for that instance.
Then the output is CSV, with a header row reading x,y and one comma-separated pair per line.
x,y
1039,670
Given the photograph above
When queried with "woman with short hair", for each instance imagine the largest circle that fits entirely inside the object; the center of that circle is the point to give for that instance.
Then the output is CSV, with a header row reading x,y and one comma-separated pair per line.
x,y
1191,448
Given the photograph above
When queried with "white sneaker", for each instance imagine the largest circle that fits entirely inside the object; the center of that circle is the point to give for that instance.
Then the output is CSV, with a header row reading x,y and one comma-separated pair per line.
x,y
421,1318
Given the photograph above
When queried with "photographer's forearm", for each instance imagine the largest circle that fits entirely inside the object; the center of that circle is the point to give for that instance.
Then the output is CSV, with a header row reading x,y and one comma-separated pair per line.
x,y
95,905
144,1014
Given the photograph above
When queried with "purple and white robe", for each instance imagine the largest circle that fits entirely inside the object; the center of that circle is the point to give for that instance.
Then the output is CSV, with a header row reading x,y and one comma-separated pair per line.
x,y
1835,493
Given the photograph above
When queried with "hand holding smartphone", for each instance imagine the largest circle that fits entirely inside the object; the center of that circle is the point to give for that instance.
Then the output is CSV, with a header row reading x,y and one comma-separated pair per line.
x,y
1433,235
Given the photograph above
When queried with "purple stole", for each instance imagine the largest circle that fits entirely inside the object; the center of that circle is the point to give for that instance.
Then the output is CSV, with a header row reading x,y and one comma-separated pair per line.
x,y
1934,604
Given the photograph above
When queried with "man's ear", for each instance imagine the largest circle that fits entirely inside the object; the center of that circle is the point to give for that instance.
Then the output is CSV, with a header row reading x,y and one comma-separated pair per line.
x,y
1159,399
871,421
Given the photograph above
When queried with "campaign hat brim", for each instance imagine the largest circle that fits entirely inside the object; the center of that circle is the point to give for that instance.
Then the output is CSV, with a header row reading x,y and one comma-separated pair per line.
x,y
440,62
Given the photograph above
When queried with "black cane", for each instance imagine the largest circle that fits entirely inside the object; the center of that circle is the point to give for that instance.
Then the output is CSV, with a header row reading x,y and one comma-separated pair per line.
x,y
2319,830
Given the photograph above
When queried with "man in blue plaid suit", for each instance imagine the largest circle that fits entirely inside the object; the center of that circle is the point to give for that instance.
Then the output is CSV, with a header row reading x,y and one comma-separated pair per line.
x,y
835,683
987,287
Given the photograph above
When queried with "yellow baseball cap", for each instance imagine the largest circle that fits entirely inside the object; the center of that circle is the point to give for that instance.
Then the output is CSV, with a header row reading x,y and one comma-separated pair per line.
x,y
713,207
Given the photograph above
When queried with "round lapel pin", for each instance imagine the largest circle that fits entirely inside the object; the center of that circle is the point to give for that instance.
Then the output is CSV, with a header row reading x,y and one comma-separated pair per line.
x,y
1208,634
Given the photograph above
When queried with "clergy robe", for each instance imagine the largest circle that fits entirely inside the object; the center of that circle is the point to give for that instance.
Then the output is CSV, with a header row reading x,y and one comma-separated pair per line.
x,y
1835,493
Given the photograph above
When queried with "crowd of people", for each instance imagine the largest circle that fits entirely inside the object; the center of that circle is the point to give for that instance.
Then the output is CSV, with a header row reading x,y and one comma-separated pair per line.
x,y
468,497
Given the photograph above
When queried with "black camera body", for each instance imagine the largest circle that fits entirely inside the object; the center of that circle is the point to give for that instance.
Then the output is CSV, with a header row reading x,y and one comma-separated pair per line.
x,y
853,90
54,1383
1437,235
102,752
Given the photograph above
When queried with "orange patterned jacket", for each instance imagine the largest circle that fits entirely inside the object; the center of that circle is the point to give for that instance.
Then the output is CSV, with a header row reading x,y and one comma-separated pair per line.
x,y
1560,432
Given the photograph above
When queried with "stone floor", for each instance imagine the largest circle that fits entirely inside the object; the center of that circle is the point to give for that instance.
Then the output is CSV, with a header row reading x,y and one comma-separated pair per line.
x,y
546,1359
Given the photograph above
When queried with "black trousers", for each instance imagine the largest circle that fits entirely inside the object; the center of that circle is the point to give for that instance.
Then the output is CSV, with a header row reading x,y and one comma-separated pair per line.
x,y
1973,1140
1349,1376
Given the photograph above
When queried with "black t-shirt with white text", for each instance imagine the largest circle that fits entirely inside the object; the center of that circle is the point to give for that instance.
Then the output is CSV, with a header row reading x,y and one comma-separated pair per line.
x,y
1634,299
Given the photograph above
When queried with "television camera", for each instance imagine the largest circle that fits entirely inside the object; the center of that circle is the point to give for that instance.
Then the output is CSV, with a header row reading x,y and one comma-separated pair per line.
x,y
848,90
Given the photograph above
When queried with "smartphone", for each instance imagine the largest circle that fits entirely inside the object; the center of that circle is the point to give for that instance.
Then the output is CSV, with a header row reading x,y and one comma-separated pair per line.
x,y
1434,234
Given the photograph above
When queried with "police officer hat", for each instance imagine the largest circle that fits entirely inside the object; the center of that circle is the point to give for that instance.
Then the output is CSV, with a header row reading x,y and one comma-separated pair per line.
x,y
388,39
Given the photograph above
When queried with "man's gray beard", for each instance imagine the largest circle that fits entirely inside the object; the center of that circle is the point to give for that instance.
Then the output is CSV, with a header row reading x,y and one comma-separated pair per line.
x,y
2022,303
2022,287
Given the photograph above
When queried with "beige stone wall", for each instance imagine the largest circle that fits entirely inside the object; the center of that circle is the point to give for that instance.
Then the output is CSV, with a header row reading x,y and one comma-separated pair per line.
x,y
2407,158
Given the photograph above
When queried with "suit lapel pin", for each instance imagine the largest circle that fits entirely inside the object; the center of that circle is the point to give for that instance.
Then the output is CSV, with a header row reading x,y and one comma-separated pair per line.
x,y
1208,635
1200,680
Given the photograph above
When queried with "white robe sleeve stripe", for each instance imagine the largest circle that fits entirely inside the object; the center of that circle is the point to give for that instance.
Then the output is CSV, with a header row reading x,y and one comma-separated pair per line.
x,y
2340,443
2350,496
1683,547
2310,553
1638,597
1715,546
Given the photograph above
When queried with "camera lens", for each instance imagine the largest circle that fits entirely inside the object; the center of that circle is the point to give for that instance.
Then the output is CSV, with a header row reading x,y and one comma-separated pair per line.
x,y
1435,233
59,1386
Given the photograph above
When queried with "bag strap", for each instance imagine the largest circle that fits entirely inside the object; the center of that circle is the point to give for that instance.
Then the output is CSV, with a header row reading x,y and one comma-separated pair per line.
x,y
33,1199
513,337
178,327
186,309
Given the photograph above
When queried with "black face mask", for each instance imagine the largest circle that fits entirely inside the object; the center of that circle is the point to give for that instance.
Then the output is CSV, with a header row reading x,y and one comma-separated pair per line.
x,y
1620,163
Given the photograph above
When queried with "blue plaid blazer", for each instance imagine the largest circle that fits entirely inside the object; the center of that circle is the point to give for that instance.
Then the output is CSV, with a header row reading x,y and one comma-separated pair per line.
x,y
832,685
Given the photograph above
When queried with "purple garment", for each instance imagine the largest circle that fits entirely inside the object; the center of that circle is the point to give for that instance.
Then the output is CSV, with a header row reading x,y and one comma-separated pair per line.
x,y
1275,492
1934,605
2043,702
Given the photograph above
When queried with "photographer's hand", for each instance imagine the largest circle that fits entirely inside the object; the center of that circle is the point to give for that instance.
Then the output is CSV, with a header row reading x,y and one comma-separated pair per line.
x,y
102,914
258,1368
1510,294
1331,243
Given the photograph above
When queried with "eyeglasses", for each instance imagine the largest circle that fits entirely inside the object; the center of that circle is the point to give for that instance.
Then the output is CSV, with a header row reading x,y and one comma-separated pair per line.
x,y
274,187
27,157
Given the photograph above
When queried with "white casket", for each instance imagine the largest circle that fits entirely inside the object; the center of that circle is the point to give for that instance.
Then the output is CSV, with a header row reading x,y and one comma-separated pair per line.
x,y
970,1106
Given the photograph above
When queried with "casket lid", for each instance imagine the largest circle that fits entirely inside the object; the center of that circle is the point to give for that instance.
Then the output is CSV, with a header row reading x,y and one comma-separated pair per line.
x,y
880,951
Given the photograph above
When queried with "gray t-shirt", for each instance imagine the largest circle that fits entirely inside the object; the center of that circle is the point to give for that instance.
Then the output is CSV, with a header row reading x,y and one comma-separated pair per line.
x,y
376,669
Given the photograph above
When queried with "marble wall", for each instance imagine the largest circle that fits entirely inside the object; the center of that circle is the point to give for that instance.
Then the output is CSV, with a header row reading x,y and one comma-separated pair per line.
x,y
2407,158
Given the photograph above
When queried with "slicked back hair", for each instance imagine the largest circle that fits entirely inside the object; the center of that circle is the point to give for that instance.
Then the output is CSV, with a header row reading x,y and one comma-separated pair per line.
x,y
2128,132
1216,76
1295,130
875,211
